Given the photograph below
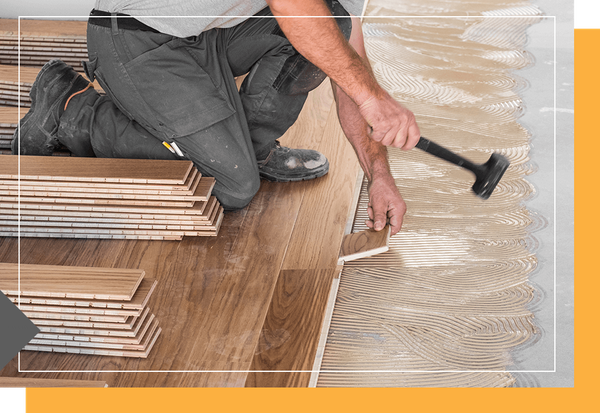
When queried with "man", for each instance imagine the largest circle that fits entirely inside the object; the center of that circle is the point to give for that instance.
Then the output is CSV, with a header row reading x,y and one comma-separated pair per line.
x,y
171,93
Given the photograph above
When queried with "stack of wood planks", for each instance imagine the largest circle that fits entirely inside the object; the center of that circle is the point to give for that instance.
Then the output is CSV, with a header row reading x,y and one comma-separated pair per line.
x,y
9,117
41,41
84,310
15,85
70,197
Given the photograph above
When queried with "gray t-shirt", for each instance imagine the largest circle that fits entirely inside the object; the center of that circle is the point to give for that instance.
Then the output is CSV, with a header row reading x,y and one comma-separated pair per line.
x,y
174,17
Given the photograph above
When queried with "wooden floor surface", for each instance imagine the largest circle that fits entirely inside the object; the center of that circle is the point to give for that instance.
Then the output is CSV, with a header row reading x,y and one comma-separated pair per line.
x,y
252,298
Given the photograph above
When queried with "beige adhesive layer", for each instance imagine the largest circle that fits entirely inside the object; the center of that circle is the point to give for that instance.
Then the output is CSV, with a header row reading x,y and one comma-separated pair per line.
x,y
451,298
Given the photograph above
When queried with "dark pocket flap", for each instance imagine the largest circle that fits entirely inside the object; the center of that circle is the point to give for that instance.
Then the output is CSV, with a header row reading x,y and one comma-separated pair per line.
x,y
180,92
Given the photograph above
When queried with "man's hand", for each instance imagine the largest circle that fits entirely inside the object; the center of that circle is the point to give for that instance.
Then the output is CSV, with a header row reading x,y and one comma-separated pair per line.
x,y
391,124
322,43
385,205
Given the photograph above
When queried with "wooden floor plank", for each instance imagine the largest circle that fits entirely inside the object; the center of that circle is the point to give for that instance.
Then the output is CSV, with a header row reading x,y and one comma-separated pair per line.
x,y
52,347
128,325
98,338
328,200
187,188
203,188
136,329
36,383
290,335
364,243
137,302
152,171
70,282
45,28
61,341
46,315
321,219
37,308
118,211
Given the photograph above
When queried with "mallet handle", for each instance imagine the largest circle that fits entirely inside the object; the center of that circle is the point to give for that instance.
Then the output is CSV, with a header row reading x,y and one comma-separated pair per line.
x,y
446,154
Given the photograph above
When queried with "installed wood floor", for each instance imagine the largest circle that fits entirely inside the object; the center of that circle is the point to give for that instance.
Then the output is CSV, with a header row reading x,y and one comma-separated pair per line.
x,y
252,298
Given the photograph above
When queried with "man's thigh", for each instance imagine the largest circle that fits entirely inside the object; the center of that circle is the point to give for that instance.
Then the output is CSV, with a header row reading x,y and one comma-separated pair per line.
x,y
160,81
180,91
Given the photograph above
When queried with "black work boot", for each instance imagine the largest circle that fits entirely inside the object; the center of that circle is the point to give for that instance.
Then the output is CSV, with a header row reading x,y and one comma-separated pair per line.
x,y
284,164
53,86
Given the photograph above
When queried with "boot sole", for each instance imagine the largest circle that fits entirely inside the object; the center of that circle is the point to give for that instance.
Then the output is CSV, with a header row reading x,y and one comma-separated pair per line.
x,y
273,177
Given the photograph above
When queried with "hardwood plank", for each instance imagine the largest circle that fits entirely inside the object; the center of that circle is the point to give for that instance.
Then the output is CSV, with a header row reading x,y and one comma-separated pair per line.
x,y
70,282
138,301
96,201
140,324
39,231
364,243
85,324
15,233
203,188
327,201
187,188
36,383
321,219
93,337
26,220
76,317
153,171
96,352
118,211
9,117
61,341
45,28
38,308
290,334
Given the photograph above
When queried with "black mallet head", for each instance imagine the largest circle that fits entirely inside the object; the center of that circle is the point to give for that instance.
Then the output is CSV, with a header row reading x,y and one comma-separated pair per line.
x,y
489,174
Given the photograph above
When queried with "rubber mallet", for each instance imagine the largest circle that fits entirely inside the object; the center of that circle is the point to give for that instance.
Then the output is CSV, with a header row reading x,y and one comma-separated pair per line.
x,y
487,174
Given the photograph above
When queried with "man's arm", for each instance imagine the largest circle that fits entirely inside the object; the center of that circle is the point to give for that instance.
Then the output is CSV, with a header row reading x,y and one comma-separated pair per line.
x,y
322,43
385,201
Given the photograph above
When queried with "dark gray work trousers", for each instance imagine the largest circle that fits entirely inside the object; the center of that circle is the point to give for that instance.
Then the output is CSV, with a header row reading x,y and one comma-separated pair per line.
x,y
162,88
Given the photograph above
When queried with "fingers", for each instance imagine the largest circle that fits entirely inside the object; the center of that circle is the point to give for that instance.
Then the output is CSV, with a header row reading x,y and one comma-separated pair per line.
x,y
405,135
395,220
378,220
408,135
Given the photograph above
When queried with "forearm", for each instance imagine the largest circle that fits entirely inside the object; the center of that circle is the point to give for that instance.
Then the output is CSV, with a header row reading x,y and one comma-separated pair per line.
x,y
385,202
334,56
371,155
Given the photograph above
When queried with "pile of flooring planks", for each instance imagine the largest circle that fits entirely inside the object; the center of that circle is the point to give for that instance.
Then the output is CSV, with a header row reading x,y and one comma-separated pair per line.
x,y
41,41
84,310
9,117
71,197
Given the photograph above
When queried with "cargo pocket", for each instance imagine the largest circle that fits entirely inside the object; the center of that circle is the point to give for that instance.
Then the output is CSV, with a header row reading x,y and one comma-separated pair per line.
x,y
180,92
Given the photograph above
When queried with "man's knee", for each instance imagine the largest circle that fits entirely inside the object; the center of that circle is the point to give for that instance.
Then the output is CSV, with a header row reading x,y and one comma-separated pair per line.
x,y
239,195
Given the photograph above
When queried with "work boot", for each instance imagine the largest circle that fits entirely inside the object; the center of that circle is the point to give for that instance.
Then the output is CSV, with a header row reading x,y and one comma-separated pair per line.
x,y
284,164
53,87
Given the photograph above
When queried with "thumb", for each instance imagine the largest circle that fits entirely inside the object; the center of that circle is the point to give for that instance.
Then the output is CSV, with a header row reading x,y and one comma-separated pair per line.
x,y
379,219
